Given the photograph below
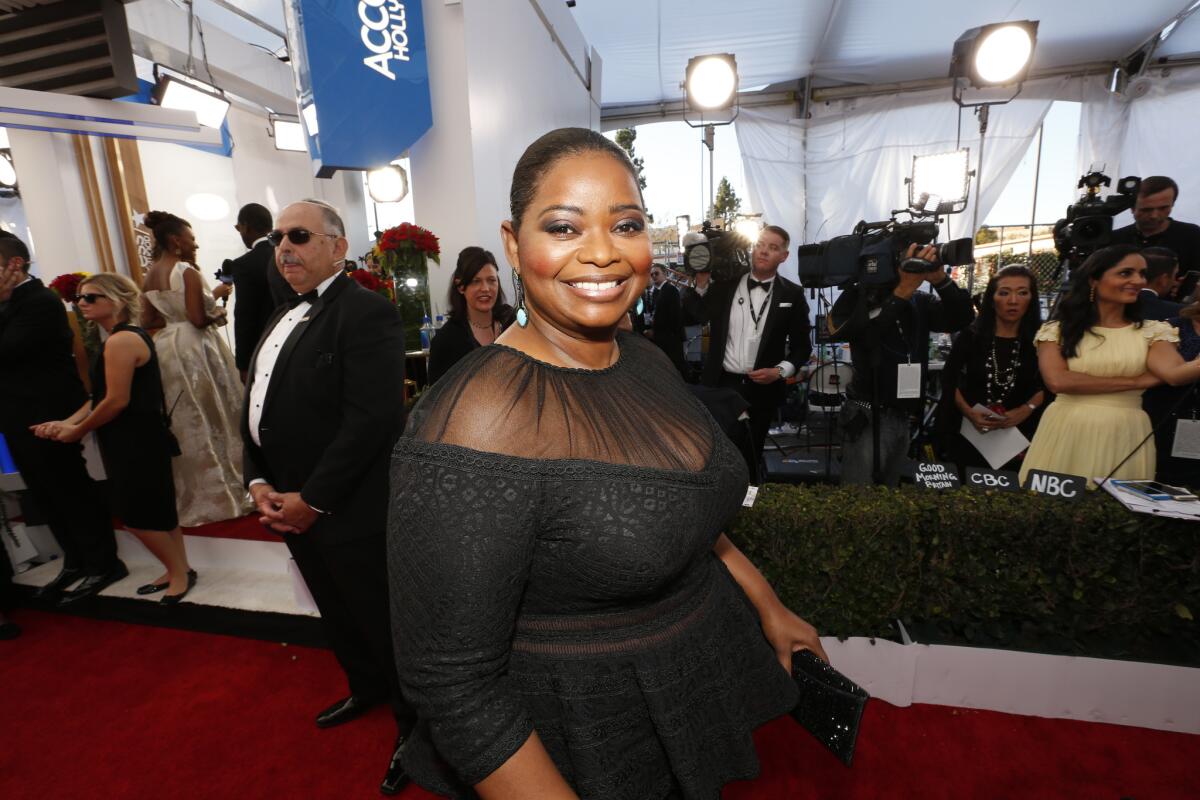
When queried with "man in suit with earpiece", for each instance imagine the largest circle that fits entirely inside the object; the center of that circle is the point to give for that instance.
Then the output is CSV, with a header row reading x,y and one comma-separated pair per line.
x,y
324,406
759,333
258,285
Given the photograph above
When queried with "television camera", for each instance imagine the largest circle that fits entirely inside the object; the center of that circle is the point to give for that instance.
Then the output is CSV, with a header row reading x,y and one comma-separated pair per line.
x,y
1088,224
873,253
724,254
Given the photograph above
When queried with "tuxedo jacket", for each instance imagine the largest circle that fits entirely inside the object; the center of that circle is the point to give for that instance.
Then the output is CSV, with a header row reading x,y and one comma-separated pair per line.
x,y
1155,307
39,380
785,332
333,410
260,290
667,323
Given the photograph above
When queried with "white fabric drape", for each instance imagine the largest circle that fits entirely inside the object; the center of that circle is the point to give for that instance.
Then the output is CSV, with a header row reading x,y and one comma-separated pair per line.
x,y
1161,138
772,145
848,162
1103,121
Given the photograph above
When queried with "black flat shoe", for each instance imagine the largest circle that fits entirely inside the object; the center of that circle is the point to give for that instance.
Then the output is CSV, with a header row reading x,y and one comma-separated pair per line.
x,y
94,584
154,588
173,599
61,581
396,778
345,710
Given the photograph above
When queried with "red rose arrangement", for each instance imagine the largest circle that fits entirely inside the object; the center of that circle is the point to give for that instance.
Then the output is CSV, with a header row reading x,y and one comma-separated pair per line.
x,y
370,281
407,245
67,286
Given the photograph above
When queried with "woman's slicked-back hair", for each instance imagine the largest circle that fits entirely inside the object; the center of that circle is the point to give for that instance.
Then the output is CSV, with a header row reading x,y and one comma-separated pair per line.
x,y
164,225
1076,310
122,291
985,324
540,156
470,261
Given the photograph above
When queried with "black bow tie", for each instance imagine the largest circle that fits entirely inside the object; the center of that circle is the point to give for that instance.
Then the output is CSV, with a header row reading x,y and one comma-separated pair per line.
x,y
753,284
307,297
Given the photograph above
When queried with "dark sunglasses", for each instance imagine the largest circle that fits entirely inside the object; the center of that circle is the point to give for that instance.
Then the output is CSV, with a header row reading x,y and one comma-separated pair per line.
x,y
92,297
296,236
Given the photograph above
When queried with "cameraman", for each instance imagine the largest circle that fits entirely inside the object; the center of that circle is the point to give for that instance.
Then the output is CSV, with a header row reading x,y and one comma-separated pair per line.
x,y
1153,227
888,333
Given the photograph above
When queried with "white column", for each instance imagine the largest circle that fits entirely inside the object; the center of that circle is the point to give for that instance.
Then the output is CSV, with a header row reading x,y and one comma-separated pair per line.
x,y
52,195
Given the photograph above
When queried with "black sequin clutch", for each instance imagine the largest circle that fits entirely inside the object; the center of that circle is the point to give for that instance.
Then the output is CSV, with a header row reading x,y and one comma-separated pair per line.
x,y
830,706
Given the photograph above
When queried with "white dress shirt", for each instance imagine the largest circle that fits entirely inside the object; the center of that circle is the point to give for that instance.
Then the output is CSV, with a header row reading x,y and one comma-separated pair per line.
x,y
741,345
269,353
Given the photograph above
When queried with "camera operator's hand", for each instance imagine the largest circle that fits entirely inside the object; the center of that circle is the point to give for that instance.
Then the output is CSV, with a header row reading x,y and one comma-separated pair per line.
x,y
911,281
702,279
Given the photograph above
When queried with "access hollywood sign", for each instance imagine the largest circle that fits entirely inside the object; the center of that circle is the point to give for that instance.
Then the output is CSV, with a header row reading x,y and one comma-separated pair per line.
x,y
385,33
356,54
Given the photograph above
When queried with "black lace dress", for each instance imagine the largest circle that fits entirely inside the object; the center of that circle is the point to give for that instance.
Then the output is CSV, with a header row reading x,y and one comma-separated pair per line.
x,y
550,549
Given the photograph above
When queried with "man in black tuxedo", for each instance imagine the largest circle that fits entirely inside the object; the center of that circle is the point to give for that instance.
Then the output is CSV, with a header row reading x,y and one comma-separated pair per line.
x,y
40,383
759,334
665,314
259,286
1162,279
324,406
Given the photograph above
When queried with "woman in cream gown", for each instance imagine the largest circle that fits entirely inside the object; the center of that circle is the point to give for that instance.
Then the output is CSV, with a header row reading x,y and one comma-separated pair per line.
x,y
200,380
1098,356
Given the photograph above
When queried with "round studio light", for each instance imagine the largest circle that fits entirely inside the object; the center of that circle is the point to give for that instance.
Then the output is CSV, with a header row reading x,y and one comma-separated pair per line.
x,y
387,185
8,173
712,81
1003,53
411,282
207,207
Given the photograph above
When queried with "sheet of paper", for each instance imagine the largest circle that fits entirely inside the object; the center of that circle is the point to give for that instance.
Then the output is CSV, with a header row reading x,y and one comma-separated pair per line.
x,y
1177,509
1187,439
998,446
908,381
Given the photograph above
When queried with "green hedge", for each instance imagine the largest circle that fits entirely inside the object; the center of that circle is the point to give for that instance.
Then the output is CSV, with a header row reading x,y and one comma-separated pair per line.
x,y
1013,570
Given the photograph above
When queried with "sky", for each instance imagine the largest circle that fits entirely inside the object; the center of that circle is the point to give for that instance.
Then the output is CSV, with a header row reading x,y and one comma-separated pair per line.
x,y
677,165
676,171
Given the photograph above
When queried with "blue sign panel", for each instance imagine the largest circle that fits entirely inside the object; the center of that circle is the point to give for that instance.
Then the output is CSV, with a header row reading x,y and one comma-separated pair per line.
x,y
363,79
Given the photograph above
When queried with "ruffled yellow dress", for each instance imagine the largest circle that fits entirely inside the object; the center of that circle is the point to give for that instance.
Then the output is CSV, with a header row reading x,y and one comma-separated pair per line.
x,y
1089,434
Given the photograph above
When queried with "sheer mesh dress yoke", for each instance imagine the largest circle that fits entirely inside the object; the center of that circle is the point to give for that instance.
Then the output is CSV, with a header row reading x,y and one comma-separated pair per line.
x,y
550,550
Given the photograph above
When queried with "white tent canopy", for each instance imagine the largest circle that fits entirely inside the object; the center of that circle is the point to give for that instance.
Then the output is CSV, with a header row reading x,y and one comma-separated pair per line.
x,y
847,160
646,44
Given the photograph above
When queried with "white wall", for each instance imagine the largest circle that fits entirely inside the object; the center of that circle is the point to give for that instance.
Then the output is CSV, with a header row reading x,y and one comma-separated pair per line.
x,y
443,178
173,174
498,81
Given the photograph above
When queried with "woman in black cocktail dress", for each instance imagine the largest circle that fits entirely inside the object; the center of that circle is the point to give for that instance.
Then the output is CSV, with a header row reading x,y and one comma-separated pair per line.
x,y
569,619
128,415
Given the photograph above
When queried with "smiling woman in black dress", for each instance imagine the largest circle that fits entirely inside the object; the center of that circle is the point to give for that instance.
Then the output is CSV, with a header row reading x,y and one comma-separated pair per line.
x,y
569,620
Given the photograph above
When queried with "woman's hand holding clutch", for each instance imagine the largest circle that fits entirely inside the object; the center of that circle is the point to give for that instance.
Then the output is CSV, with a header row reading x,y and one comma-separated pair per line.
x,y
788,633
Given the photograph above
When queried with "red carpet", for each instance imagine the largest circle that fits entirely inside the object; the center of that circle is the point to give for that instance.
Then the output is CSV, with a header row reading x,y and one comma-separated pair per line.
x,y
91,708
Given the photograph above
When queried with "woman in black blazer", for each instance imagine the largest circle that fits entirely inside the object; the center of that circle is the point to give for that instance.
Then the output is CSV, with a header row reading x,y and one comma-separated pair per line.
x,y
478,312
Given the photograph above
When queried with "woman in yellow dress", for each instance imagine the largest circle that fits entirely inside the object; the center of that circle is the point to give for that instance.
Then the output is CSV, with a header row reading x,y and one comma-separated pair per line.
x,y
1098,356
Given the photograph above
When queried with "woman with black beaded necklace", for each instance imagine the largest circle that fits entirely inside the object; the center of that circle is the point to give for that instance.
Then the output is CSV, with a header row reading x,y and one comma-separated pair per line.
x,y
994,364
